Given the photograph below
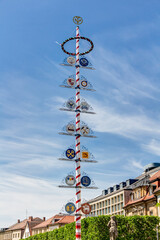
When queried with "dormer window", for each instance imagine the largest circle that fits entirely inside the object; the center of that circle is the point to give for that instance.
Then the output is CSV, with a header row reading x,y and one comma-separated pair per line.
x,y
132,196
55,220
150,190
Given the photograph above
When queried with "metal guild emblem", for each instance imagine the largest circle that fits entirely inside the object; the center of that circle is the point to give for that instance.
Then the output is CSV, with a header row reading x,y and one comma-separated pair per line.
x,y
70,153
86,208
70,128
85,130
77,20
70,208
71,82
71,104
84,106
84,62
71,60
84,83
85,181
85,154
70,180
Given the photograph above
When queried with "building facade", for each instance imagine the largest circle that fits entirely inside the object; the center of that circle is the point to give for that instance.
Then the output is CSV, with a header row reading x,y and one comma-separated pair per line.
x,y
133,197
17,231
52,223
112,200
144,196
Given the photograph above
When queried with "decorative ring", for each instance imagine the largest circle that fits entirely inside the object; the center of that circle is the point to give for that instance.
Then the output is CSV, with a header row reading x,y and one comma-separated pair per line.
x,y
72,38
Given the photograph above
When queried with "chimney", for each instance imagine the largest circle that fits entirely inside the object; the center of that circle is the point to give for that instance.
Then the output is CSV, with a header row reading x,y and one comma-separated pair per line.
x,y
18,221
44,218
30,218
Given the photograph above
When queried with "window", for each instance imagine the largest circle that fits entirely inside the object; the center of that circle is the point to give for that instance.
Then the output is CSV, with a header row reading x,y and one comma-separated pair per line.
x,y
109,210
100,204
112,200
150,191
121,197
139,194
106,202
151,213
115,199
106,210
135,195
109,202
112,208
132,196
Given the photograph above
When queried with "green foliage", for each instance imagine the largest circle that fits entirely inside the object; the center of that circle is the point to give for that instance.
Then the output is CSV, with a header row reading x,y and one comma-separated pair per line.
x,y
95,228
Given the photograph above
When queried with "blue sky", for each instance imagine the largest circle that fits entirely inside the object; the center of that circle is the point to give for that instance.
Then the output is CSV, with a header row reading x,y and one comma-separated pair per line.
x,y
127,98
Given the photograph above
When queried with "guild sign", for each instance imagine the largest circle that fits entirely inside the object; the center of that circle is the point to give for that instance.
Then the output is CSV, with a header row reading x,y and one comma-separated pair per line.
x,y
70,153
71,60
84,83
71,82
85,181
70,180
70,208
84,106
85,154
84,62
85,130
86,208
70,104
70,128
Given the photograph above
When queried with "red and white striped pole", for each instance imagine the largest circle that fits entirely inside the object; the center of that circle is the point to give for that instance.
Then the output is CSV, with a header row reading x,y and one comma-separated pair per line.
x,y
78,153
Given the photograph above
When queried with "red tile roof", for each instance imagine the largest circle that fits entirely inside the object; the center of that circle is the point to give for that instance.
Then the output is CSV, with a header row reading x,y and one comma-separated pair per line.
x,y
22,224
48,221
134,201
65,220
145,198
155,176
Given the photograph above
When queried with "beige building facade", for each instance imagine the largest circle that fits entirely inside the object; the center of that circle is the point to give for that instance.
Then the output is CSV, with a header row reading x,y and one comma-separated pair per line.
x,y
52,223
2,233
144,196
17,231
112,200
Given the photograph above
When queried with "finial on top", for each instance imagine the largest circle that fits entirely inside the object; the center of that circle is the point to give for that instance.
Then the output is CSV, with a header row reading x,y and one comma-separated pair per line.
x,y
77,20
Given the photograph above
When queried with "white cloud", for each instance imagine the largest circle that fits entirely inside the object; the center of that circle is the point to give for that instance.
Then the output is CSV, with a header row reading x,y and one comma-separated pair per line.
x,y
135,126
153,147
40,197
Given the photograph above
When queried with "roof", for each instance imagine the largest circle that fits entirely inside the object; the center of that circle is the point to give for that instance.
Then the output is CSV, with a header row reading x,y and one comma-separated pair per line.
x,y
157,190
155,176
48,221
22,224
65,220
143,199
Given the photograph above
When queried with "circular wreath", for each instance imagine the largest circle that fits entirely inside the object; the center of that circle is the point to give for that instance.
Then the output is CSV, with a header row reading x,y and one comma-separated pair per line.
x,y
72,38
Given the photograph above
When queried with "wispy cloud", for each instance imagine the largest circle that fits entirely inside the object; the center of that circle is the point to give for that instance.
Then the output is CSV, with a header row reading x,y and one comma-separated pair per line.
x,y
153,147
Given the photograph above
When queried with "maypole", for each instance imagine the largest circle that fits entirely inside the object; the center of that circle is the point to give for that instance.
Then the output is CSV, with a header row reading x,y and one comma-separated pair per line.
x,y
78,106
78,152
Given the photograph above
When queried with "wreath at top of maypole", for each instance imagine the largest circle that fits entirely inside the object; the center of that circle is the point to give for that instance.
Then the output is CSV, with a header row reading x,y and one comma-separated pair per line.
x,y
77,20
